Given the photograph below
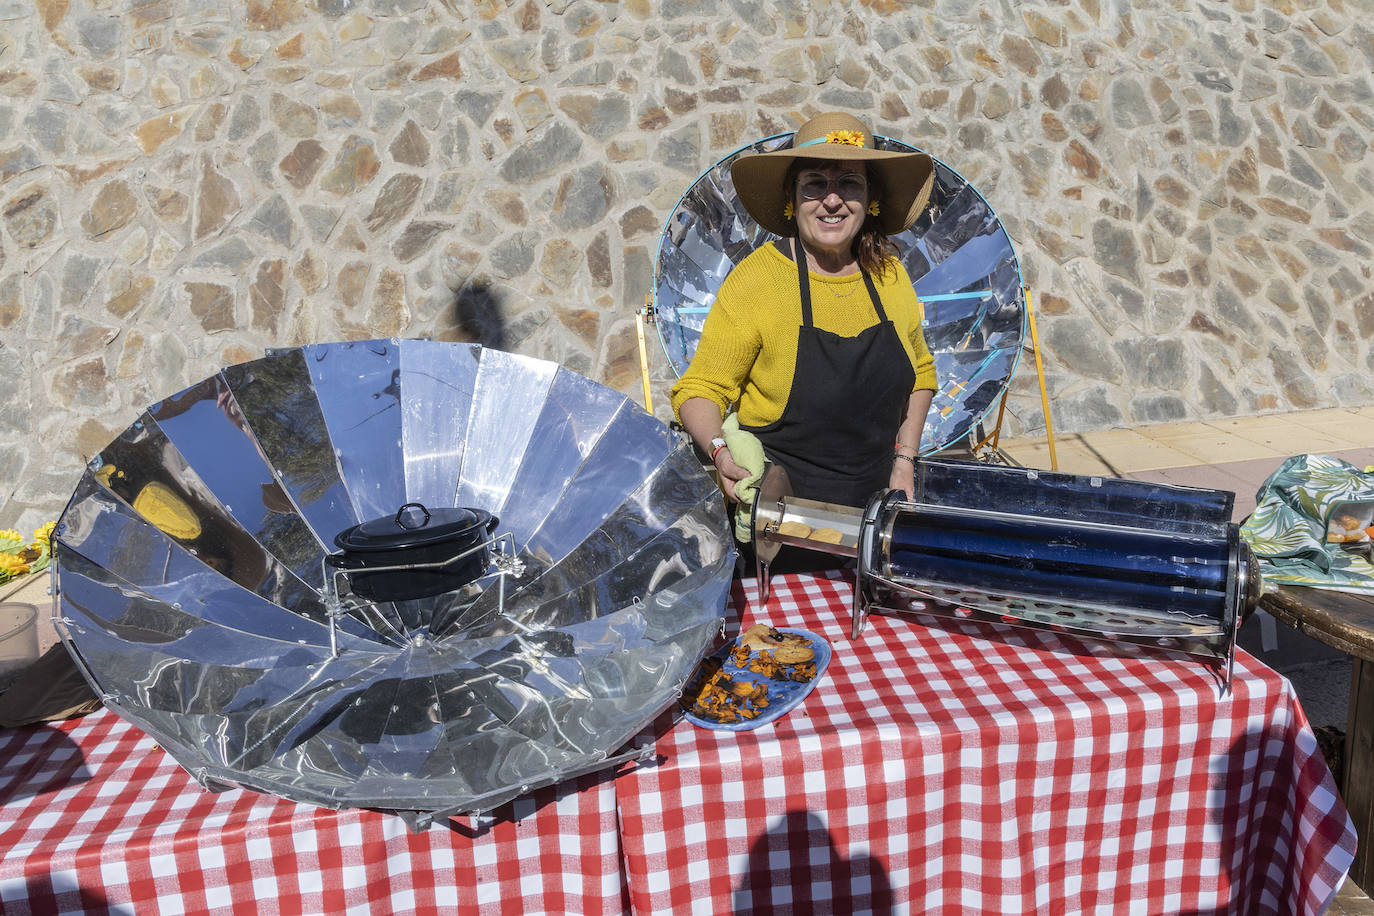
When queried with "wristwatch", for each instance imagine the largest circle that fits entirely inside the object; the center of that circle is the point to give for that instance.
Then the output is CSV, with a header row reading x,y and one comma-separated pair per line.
x,y
716,445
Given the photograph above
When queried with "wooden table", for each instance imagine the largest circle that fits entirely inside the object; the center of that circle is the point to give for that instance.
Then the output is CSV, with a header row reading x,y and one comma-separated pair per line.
x,y
1344,620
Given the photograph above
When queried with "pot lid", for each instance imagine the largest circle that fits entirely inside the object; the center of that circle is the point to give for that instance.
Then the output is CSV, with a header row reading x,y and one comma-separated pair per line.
x,y
414,525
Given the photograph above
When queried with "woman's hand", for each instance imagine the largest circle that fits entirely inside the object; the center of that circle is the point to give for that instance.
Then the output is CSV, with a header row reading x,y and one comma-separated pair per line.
x,y
730,473
701,418
903,477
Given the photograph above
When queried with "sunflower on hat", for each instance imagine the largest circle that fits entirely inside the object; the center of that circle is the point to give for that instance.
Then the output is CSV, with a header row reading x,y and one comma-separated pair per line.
x,y
850,137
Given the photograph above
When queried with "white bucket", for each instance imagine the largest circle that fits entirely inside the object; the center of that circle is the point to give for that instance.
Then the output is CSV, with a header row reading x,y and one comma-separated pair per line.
x,y
18,636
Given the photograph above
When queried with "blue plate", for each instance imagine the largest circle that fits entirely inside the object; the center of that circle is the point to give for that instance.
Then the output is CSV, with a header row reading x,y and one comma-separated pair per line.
x,y
782,693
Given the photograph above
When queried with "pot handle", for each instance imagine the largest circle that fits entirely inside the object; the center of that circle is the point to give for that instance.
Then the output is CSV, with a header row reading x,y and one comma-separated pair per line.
x,y
402,511
491,525
344,561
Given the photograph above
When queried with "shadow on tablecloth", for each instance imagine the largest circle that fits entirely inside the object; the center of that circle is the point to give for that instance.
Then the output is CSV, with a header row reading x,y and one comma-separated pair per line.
x,y
798,853
68,899
45,759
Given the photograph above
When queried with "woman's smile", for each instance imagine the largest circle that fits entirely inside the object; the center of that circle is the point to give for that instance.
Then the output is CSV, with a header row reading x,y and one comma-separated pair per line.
x,y
833,224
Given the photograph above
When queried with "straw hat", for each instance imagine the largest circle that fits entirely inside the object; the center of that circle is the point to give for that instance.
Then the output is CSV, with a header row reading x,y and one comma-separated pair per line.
x,y
906,177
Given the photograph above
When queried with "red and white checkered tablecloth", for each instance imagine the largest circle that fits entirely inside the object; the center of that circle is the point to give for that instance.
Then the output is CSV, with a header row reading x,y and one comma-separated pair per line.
x,y
93,815
930,771
941,772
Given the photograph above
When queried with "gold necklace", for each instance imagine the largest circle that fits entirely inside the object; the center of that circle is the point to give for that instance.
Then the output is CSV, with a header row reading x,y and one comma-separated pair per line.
x,y
811,262
853,288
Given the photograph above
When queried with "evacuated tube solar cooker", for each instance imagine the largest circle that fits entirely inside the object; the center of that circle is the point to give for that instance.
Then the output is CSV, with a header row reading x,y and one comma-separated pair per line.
x,y
1100,557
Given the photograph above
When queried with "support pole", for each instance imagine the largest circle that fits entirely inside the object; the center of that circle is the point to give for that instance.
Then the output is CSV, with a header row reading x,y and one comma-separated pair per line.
x,y
1040,375
642,316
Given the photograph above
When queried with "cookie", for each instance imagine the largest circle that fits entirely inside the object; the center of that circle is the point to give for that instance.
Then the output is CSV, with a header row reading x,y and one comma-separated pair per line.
x,y
794,529
827,535
786,648
757,636
793,654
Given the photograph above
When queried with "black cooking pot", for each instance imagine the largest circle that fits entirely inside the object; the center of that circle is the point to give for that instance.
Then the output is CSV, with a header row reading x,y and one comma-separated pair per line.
x,y
415,535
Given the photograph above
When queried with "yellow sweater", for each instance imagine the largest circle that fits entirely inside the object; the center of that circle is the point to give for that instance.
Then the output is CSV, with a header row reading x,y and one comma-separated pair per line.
x,y
748,348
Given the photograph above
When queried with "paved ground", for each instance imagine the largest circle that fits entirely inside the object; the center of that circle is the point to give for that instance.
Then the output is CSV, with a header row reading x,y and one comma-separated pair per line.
x,y
1237,455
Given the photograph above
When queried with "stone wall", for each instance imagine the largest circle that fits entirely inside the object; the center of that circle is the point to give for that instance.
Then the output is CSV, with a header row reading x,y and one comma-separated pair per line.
x,y
183,184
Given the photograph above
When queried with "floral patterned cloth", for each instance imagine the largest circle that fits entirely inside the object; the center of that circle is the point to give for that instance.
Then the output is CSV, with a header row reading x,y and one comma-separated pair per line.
x,y
1297,508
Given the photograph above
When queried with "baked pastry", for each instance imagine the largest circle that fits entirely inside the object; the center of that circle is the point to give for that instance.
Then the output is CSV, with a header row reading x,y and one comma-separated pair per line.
x,y
794,529
827,535
793,654
1345,522
786,648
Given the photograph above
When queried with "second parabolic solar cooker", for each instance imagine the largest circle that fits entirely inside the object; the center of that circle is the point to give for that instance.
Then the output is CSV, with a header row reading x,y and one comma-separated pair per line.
x,y
1114,559
958,255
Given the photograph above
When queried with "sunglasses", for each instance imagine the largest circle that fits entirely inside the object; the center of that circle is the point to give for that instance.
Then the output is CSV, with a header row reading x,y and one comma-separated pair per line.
x,y
815,185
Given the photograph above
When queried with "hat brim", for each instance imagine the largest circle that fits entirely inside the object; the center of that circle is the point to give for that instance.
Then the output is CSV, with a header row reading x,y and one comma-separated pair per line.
x,y
907,179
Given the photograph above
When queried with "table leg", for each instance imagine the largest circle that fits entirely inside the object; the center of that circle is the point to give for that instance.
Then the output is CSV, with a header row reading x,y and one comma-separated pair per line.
x,y
1358,779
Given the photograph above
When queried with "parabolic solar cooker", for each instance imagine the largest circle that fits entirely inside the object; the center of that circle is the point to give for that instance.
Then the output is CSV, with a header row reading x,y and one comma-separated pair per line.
x,y
1101,557
410,575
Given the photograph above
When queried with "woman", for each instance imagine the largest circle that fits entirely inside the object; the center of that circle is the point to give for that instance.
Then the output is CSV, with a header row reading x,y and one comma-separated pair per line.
x,y
817,336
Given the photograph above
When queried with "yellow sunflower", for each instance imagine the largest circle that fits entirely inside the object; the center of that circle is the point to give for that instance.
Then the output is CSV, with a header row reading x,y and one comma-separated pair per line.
x,y
12,566
847,137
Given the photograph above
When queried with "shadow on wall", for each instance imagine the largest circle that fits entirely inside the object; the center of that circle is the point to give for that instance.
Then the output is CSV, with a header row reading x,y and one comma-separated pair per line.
x,y
477,316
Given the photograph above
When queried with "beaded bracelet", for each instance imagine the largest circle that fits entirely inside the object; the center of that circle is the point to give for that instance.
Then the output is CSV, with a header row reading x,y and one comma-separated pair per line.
x,y
905,458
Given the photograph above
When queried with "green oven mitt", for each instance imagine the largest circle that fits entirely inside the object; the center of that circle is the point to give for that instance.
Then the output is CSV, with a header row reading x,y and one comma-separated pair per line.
x,y
747,452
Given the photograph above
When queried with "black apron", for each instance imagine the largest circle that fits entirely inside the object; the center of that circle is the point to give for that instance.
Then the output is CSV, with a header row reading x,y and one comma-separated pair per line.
x,y
836,433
